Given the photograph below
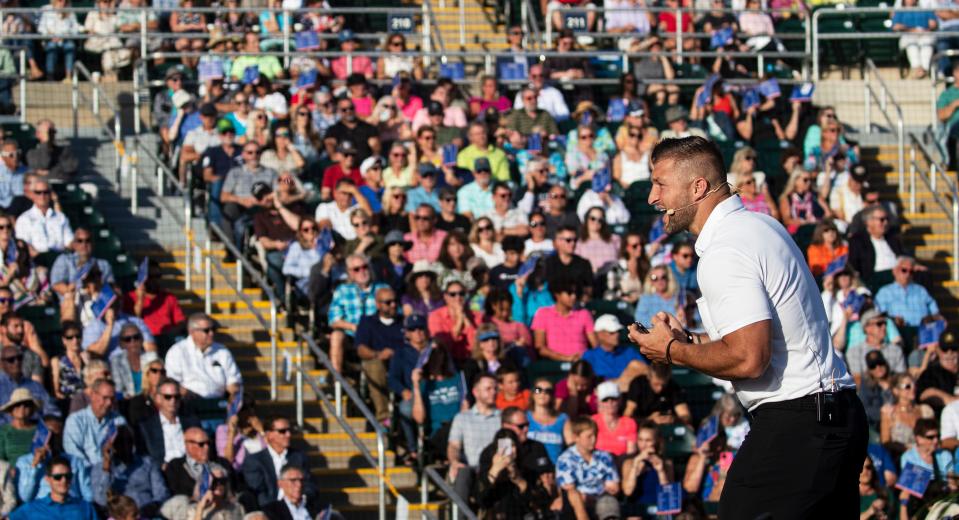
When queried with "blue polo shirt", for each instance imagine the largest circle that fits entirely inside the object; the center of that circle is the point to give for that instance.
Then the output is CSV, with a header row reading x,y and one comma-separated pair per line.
x,y
610,365
372,332
45,507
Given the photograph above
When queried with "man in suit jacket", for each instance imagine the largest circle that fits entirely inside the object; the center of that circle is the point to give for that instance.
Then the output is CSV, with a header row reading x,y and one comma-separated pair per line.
x,y
294,504
261,470
161,433
874,252
182,473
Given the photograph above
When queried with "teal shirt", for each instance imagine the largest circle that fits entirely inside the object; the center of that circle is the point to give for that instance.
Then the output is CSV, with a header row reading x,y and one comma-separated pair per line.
x,y
443,400
948,96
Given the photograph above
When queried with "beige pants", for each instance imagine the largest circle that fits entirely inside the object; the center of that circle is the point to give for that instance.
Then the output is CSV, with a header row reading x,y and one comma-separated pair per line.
x,y
375,371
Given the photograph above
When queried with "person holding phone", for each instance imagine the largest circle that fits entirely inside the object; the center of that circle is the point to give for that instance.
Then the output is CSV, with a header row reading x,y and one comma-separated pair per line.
x,y
767,333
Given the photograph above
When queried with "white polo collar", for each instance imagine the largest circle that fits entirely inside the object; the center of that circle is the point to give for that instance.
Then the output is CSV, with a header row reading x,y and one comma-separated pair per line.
x,y
714,221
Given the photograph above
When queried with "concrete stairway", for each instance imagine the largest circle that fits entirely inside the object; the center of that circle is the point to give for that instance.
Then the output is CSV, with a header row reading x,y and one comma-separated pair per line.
x,y
480,30
927,232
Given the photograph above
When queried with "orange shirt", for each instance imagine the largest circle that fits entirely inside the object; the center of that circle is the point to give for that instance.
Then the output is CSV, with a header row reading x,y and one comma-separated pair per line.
x,y
819,257
521,401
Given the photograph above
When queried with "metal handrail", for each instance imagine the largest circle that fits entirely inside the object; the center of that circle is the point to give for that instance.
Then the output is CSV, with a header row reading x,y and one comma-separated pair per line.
x,y
530,25
430,473
340,385
884,98
936,79
951,208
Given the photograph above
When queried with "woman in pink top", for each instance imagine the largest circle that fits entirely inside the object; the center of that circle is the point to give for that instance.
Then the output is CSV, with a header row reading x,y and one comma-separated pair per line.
x,y
245,434
616,434
499,311
598,243
490,96
561,332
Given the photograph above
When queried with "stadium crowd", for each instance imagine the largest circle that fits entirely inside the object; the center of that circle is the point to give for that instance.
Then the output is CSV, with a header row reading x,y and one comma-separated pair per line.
x,y
472,251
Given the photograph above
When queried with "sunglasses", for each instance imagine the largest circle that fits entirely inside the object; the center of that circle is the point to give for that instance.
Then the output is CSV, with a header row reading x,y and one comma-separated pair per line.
x,y
387,302
931,436
13,359
308,230
71,336
537,223
171,397
282,431
361,223
60,476
448,199
658,277
6,226
522,426
542,390
129,339
158,371
207,330
41,192
483,229
82,240
202,444
593,218
359,268
421,217
586,136
456,294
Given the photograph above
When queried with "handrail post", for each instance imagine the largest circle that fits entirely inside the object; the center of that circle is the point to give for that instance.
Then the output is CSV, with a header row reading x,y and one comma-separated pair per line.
x,y
867,106
679,36
912,180
286,38
934,173
143,33
23,85
524,21
75,102
338,396
299,381
96,99
462,10
815,45
424,495
207,277
134,191
901,138
882,96
188,245
239,276
955,237
273,362
136,101
935,116
760,65
427,44
381,462
160,183
349,63
117,144
549,26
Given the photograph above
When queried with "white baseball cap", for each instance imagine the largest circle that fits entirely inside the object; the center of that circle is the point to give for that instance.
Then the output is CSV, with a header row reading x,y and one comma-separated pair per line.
x,y
607,323
607,389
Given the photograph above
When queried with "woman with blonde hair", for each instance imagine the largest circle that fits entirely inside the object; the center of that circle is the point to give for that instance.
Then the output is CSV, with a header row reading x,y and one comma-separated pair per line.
x,y
483,242
754,199
546,423
393,214
800,204
394,60
897,420
660,295
258,128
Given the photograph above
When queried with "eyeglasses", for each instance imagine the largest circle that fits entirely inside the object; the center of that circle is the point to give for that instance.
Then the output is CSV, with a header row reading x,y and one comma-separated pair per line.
x,y
158,371
171,397
207,330
202,444
361,223
557,195
522,426
129,339
13,359
60,476
71,337
387,302
542,390
359,268
536,223
282,431
658,277
931,436
456,294
41,192
904,270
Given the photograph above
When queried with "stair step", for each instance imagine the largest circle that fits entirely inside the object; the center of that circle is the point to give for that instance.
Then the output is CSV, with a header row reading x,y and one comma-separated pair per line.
x,y
360,496
249,364
346,459
400,477
339,441
331,425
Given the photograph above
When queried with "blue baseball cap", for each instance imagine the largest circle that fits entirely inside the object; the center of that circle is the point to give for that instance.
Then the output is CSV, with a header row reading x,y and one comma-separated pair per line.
x,y
490,334
414,321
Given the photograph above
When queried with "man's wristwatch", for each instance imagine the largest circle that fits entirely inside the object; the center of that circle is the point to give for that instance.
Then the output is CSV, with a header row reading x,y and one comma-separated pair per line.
x,y
689,336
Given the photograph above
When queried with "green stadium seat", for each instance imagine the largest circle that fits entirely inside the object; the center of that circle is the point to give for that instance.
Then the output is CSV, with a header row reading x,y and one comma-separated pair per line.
x,y
840,53
23,133
622,310
45,319
678,440
123,267
881,51
552,370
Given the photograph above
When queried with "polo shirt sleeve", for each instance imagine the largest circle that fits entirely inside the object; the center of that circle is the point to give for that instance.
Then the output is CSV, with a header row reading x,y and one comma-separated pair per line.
x,y
364,333
59,273
931,306
457,434
609,467
564,471
733,290
336,311
949,422
539,320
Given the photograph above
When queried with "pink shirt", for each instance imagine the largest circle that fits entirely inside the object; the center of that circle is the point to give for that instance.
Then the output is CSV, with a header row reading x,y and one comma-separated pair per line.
x,y
453,117
441,330
425,250
361,64
565,335
513,331
614,441
409,107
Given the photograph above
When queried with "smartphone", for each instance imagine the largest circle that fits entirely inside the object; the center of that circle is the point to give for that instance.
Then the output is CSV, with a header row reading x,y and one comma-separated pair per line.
x,y
504,447
641,328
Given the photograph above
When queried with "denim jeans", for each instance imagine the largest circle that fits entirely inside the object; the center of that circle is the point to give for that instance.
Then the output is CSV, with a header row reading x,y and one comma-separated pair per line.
x,y
945,43
274,272
406,424
68,48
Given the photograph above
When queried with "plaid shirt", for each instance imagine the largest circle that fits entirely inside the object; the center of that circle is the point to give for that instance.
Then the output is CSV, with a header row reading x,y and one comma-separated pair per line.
x,y
350,303
474,431
912,303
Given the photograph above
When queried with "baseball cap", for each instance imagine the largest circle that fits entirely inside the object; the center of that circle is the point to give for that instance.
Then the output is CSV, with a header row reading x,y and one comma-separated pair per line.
x,y
414,321
607,390
346,147
208,110
260,190
489,334
675,113
607,323
870,315
395,236
874,358
223,126
346,35
370,162
513,243
481,164
427,169
435,108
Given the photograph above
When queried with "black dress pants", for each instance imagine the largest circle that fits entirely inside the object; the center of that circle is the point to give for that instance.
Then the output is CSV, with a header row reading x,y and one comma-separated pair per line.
x,y
792,467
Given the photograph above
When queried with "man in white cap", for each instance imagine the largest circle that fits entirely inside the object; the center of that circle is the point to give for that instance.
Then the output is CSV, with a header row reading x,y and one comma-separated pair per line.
x,y
372,171
610,359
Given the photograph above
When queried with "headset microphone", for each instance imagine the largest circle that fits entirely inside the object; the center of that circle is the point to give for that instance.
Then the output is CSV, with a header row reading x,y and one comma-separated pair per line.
x,y
671,212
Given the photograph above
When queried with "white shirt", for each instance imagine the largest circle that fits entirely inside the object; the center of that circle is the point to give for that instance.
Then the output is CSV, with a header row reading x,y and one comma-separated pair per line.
x,y
885,258
297,511
551,100
513,217
173,445
279,461
201,139
616,212
490,259
545,246
45,232
340,220
751,270
949,421
274,104
207,373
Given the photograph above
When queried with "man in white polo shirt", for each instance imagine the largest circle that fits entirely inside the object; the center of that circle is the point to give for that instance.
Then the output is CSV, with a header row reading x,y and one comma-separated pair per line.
x,y
767,334
202,366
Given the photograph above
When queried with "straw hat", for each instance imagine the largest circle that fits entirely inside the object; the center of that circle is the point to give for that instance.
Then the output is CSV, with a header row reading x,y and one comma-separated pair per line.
x,y
20,395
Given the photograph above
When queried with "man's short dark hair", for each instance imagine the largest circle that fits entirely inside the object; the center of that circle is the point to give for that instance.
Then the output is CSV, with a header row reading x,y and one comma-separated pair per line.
x,y
568,227
58,460
508,413
272,420
344,180
924,426
8,317
169,381
480,377
694,154
562,285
